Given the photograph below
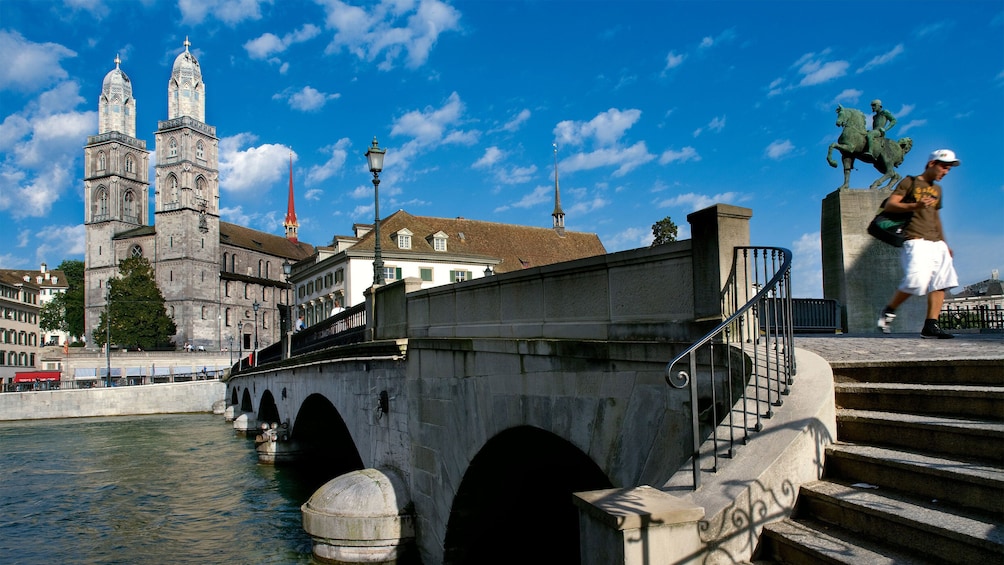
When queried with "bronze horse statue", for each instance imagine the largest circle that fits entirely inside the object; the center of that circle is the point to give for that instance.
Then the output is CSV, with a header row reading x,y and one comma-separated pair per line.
x,y
852,144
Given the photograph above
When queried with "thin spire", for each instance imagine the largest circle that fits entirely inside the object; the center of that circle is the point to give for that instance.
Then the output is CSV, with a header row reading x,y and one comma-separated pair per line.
x,y
117,60
187,43
291,224
558,214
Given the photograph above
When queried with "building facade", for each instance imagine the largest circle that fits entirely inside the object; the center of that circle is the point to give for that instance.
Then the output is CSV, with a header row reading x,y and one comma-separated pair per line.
x,y
19,333
212,274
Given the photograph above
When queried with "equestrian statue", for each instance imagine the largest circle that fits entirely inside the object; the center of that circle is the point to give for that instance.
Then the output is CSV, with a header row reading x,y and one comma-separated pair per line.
x,y
857,143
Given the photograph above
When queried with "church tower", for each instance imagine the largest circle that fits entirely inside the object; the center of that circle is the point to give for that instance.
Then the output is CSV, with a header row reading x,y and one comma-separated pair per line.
x,y
116,187
187,205
291,225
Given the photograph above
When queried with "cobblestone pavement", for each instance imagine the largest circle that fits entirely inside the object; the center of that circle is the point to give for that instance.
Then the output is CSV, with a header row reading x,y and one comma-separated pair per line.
x,y
859,348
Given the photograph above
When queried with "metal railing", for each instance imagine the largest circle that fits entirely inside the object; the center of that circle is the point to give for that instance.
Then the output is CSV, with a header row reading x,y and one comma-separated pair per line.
x,y
747,361
346,327
971,317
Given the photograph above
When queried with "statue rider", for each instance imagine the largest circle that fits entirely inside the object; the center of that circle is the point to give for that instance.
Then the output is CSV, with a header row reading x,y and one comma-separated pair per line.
x,y
882,121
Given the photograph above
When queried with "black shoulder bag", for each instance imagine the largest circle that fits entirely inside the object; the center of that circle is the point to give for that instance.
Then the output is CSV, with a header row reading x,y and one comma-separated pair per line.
x,y
890,227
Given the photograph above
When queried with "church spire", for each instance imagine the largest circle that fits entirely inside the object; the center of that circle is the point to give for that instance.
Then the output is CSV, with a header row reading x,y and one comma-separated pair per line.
x,y
291,224
558,214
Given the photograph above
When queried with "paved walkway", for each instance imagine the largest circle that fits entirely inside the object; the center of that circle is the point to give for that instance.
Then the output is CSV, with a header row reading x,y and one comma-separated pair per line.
x,y
863,348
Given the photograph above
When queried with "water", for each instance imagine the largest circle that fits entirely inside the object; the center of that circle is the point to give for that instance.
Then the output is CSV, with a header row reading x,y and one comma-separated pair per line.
x,y
145,489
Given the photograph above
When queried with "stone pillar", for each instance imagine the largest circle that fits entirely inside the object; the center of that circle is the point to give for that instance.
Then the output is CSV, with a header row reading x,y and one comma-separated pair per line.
x,y
637,526
714,232
859,271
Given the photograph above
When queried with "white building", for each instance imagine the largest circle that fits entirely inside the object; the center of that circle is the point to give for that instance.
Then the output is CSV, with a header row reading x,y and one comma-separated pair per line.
x,y
19,333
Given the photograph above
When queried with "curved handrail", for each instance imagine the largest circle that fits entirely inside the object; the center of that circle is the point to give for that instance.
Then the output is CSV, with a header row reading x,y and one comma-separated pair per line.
x,y
772,365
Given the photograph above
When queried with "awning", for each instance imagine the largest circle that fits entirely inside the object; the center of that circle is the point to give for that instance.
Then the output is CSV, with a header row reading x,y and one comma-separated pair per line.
x,y
30,376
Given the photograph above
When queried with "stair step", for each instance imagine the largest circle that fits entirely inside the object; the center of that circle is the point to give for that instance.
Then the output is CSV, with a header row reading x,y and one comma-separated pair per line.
x,y
970,401
974,485
953,536
807,542
944,371
975,439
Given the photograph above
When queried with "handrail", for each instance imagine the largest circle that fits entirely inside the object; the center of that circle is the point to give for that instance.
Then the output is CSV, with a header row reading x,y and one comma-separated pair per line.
x,y
767,313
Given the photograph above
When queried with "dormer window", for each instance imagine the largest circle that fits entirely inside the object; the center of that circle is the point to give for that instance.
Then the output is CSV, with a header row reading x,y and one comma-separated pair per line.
x,y
438,241
403,238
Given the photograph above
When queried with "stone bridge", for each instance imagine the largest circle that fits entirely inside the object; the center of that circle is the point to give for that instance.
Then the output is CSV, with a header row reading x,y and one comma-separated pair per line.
x,y
458,431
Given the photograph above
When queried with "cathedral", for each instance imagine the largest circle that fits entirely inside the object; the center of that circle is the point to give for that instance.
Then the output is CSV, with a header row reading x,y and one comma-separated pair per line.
x,y
223,284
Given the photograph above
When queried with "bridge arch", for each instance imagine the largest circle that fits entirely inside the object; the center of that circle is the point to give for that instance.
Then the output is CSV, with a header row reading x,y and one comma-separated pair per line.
x,y
327,444
247,403
267,410
515,500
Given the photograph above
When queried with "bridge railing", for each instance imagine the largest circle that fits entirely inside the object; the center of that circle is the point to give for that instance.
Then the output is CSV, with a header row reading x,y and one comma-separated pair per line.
x,y
747,361
343,328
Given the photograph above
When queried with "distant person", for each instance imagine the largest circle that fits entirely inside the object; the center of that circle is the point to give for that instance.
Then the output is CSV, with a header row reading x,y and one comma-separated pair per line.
x,y
299,323
926,257
337,309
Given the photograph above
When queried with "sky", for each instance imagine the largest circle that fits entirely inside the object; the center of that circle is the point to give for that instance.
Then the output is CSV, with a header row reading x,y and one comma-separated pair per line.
x,y
655,108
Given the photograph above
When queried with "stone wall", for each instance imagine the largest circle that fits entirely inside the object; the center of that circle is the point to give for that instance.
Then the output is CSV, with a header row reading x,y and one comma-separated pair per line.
x,y
170,398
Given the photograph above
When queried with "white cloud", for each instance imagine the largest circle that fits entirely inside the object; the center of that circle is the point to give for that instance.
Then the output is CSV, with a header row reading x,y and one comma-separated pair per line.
x,y
605,129
629,238
779,149
314,194
253,168
513,124
912,124
492,156
582,208
848,96
627,159
230,12
338,153
882,59
307,99
59,241
674,60
30,66
540,195
818,73
904,111
717,124
268,44
392,29
807,270
683,155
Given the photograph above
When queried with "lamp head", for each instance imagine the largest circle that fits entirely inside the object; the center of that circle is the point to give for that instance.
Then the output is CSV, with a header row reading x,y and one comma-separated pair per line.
x,y
374,155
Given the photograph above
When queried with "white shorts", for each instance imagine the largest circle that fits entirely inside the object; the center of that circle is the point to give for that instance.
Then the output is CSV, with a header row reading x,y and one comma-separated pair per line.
x,y
927,266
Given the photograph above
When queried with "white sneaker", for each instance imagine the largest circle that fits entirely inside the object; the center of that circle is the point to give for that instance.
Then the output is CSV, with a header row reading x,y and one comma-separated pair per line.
x,y
885,322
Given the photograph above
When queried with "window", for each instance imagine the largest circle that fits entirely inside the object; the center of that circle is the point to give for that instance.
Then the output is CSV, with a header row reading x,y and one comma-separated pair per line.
x,y
102,161
173,194
339,276
226,288
403,238
102,199
172,148
460,276
136,250
129,206
200,150
318,284
328,280
391,273
425,273
130,164
438,241
200,188
310,288
227,320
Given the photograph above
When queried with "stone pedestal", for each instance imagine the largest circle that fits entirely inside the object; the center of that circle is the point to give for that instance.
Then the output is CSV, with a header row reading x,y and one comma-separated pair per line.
x,y
860,271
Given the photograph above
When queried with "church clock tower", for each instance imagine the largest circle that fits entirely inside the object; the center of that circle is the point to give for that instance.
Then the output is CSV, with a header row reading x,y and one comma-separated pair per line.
x,y
116,187
187,205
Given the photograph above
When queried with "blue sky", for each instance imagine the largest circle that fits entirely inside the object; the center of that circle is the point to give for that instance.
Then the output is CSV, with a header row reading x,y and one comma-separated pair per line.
x,y
657,108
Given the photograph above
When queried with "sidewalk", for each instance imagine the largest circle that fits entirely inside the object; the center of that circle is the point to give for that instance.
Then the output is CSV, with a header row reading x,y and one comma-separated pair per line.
x,y
863,348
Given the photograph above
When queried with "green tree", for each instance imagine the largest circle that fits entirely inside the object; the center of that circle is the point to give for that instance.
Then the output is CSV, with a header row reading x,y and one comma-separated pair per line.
x,y
72,300
663,231
136,309
52,317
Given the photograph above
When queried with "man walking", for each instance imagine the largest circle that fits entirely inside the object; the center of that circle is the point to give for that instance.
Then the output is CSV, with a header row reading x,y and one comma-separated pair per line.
x,y
926,257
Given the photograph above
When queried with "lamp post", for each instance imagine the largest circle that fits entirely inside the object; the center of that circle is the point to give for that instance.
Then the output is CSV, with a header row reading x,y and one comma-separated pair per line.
x,y
287,269
108,338
231,349
255,307
374,155
240,341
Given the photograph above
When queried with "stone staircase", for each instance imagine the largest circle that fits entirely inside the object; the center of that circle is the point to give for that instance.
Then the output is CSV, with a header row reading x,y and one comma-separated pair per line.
x,y
916,475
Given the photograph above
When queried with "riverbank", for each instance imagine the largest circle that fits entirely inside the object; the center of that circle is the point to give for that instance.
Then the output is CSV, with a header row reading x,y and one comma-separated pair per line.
x,y
166,398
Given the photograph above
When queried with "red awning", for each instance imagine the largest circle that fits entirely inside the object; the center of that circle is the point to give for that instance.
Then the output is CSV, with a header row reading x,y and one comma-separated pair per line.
x,y
30,376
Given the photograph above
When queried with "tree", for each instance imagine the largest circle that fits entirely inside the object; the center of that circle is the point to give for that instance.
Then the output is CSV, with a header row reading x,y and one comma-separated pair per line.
x,y
663,231
72,300
136,309
52,317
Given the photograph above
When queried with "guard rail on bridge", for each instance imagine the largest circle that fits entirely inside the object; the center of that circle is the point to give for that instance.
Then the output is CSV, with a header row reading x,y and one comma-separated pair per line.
x,y
758,295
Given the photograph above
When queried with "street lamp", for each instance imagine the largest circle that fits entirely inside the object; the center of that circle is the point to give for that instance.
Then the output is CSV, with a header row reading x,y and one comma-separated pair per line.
x,y
375,157
108,338
231,349
240,342
255,307
287,269
488,271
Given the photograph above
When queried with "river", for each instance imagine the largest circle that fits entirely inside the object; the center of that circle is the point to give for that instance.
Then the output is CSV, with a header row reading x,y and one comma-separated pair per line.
x,y
145,489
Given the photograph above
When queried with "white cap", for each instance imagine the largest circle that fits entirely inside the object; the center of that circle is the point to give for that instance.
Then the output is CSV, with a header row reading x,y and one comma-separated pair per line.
x,y
945,156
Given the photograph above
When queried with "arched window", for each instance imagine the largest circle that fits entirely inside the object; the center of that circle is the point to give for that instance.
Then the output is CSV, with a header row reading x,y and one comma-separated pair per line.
x,y
130,164
260,265
200,150
200,188
129,206
12,358
101,202
228,317
102,161
225,255
22,359
173,193
172,148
